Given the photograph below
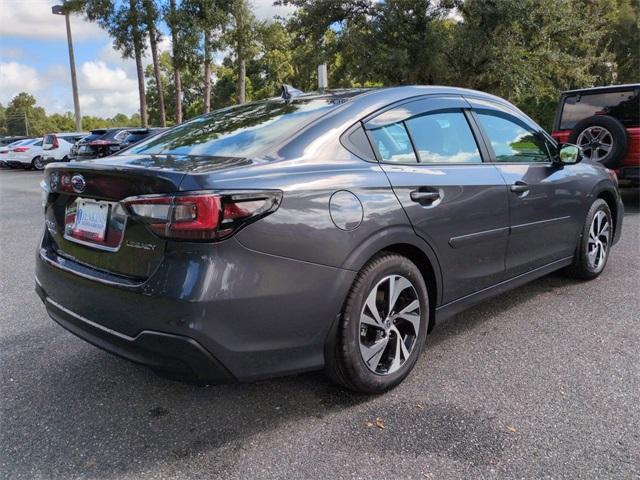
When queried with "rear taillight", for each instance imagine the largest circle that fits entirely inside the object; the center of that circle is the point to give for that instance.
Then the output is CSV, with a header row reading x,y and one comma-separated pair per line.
x,y
20,149
202,216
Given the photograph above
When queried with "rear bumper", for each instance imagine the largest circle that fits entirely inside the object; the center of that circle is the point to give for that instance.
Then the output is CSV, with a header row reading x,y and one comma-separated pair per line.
x,y
174,355
208,309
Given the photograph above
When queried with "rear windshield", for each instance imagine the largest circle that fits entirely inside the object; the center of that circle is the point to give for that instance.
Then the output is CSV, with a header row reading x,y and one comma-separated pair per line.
x,y
136,137
94,135
623,105
239,131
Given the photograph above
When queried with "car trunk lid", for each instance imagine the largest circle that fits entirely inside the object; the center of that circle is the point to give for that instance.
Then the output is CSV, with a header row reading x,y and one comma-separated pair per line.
x,y
88,223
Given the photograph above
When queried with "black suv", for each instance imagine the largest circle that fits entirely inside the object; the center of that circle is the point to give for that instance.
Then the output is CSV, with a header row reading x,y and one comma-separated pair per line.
x,y
107,141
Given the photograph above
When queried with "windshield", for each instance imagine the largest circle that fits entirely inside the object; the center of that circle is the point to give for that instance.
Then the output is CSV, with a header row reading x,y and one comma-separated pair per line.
x,y
239,131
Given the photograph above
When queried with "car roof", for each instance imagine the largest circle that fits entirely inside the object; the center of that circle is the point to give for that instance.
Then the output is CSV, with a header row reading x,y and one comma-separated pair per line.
x,y
605,88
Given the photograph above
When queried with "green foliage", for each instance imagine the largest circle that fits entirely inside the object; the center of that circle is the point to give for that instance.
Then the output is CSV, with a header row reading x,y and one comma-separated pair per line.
x,y
12,119
527,51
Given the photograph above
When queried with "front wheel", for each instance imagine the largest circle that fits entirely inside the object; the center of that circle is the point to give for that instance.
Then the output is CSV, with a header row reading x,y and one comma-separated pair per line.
x,y
593,249
383,326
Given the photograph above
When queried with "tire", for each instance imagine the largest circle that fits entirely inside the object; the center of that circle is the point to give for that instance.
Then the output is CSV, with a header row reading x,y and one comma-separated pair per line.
x,y
380,340
37,163
602,138
584,264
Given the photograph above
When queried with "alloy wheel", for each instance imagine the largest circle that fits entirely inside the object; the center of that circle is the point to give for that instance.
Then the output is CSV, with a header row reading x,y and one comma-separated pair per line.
x,y
37,163
599,237
389,324
596,143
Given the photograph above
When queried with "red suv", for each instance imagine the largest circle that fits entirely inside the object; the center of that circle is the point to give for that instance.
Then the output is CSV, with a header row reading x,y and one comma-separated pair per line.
x,y
605,122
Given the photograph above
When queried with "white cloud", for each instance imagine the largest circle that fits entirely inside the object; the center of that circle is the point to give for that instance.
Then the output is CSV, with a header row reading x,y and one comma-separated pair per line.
x,y
16,77
106,90
11,53
99,76
107,82
264,9
33,19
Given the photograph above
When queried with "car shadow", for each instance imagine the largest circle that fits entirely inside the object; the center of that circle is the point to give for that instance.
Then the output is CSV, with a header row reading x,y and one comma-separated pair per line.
x,y
85,413
79,412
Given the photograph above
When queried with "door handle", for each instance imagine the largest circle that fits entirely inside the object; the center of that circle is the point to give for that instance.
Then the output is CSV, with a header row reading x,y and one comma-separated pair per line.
x,y
424,197
519,187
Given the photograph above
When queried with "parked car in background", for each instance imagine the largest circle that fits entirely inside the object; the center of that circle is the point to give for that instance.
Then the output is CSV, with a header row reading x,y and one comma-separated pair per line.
x,y
4,150
328,230
605,123
7,140
57,146
6,147
139,134
103,142
27,155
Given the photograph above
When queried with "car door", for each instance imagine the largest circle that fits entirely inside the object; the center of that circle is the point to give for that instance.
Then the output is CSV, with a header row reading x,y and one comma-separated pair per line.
x,y
544,198
454,200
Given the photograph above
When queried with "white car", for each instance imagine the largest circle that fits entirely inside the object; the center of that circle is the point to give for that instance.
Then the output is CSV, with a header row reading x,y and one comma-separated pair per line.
x,y
57,146
27,154
4,151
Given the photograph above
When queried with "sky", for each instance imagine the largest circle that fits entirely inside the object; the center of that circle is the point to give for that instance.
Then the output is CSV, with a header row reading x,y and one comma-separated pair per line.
x,y
34,58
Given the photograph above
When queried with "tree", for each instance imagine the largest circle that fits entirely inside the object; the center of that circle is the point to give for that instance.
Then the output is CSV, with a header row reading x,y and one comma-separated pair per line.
x,y
23,117
173,20
625,41
530,50
241,39
151,18
3,120
209,17
273,65
124,23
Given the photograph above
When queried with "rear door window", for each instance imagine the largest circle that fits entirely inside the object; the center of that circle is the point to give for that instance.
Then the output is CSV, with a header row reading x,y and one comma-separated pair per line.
x,y
622,105
444,137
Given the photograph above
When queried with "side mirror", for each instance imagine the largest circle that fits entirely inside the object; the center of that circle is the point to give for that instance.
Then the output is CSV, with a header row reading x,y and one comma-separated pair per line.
x,y
569,154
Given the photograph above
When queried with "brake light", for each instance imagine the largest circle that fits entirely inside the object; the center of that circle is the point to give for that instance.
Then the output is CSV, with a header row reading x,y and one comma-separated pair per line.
x,y
100,142
54,142
21,149
202,216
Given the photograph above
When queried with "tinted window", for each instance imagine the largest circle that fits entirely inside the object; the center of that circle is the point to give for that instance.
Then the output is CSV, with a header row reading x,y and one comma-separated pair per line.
x,y
136,137
393,144
444,138
94,135
239,131
513,141
625,106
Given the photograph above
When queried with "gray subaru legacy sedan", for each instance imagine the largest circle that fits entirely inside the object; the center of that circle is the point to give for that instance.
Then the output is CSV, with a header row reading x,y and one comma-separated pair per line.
x,y
316,231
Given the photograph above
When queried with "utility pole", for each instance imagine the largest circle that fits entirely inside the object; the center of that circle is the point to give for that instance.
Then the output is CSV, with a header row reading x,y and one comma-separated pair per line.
x,y
60,10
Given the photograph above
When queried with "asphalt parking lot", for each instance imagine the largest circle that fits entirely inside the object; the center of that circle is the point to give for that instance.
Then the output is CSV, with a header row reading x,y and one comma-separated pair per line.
x,y
543,382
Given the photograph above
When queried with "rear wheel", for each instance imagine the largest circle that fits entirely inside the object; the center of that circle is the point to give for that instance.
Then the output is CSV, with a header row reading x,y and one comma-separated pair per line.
x,y
383,326
37,163
593,250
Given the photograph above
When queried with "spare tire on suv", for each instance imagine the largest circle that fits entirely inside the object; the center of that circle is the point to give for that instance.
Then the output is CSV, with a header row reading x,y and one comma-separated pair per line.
x,y
602,138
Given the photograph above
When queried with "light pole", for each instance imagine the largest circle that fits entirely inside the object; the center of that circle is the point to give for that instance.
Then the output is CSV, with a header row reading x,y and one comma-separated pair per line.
x,y
59,10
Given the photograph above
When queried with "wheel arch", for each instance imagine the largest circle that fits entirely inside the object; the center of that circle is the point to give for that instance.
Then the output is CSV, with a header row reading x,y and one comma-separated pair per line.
x,y
402,240
608,193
